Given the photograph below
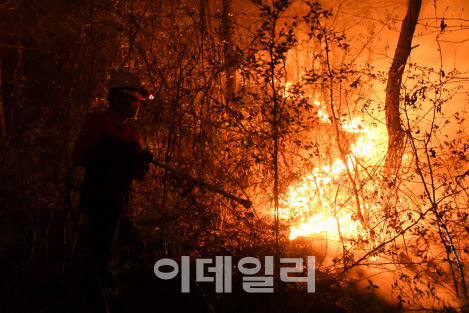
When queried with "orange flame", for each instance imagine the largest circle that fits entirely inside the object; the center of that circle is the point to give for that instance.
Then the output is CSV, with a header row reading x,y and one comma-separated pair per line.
x,y
314,200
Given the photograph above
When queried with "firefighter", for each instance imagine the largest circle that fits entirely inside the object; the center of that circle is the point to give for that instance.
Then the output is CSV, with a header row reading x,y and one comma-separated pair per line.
x,y
110,151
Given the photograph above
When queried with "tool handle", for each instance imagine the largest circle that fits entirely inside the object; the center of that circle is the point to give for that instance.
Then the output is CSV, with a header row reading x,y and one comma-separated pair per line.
x,y
197,181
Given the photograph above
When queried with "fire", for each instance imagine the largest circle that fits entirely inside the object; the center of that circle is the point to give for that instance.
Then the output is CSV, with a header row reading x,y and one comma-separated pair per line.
x,y
314,198
330,226
320,203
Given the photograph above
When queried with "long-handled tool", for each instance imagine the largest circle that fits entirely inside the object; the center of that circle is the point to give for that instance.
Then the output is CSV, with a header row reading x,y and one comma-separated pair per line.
x,y
197,181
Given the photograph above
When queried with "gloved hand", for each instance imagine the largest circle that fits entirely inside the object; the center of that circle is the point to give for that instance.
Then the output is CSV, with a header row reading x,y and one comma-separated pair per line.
x,y
142,164
145,157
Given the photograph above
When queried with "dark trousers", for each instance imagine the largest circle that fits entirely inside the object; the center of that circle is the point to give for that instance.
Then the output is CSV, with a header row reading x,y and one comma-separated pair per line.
x,y
102,233
103,225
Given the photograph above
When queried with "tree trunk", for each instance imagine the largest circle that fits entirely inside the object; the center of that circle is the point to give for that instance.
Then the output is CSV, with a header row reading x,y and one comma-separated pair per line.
x,y
228,47
3,132
394,126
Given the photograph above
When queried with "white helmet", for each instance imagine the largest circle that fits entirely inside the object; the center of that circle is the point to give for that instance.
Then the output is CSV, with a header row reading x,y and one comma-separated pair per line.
x,y
128,83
